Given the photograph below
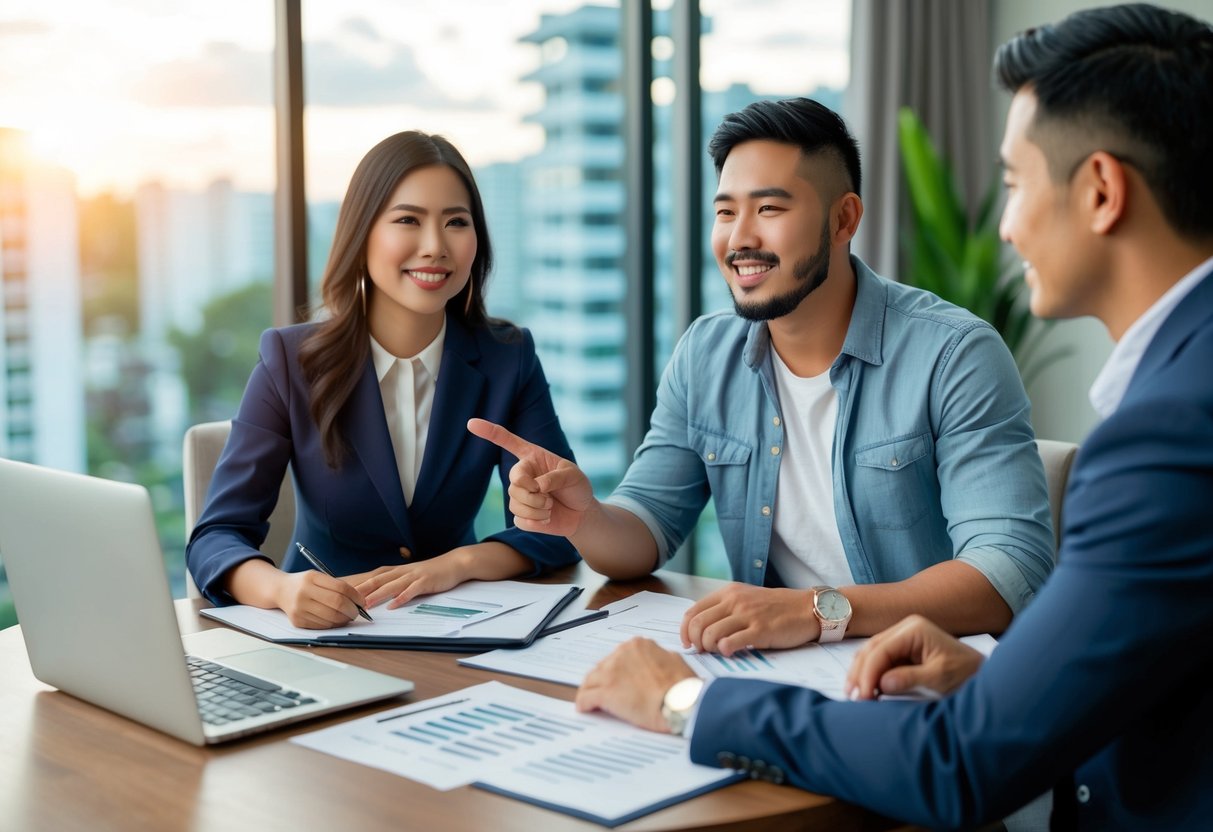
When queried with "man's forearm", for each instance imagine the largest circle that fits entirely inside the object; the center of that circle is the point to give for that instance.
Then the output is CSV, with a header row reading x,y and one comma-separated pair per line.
x,y
953,594
615,542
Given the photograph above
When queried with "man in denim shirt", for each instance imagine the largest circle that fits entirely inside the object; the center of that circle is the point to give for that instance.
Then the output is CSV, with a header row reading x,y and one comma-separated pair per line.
x,y
853,431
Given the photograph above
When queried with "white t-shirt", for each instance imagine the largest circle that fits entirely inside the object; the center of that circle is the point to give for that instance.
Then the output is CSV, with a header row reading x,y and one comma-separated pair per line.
x,y
806,548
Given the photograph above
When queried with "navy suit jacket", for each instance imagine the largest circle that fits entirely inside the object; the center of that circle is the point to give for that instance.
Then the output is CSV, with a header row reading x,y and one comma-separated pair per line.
x,y
354,517
1099,687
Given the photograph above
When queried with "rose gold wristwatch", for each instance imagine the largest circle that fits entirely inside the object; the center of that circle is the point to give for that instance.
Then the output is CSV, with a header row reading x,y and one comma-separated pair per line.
x,y
833,612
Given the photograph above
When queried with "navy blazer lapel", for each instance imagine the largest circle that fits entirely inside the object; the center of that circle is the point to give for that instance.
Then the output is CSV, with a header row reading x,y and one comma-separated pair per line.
x,y
1192,313
460,385
365,428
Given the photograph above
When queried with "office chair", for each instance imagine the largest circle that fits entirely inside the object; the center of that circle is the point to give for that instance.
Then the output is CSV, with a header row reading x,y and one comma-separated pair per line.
x,y
1057,457
200,453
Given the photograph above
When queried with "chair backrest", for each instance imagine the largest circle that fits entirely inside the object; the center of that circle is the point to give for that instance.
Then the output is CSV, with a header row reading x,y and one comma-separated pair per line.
x,y
1057,458
200,453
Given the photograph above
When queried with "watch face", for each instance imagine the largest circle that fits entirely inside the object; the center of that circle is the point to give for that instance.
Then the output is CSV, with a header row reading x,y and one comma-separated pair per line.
x,y
683,694
833,605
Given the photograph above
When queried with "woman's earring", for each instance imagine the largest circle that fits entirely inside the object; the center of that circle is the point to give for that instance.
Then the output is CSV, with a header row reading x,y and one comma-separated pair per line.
x,y
362,294
467,307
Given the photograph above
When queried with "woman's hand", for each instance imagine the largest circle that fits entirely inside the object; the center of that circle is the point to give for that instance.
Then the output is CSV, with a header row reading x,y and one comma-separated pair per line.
x,y
398,585
310,599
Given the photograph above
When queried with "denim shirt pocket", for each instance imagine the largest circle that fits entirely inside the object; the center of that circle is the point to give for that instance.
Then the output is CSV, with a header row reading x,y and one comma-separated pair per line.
x,y
727,463
894,482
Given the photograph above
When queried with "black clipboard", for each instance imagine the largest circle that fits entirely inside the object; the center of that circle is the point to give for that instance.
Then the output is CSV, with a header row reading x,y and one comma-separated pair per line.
x,y
446,644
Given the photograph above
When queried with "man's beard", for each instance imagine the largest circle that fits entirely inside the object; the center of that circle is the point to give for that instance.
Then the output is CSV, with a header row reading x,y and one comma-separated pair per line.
x,y
809,273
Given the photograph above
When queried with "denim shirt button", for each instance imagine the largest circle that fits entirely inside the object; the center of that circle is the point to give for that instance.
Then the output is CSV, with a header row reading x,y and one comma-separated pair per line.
x,y
774,450
1083,794
766,511
775,421
893,462
757,564
711,456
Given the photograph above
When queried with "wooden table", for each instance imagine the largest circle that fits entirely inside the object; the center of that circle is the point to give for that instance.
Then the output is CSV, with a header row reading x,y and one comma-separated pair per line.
x,y
67,765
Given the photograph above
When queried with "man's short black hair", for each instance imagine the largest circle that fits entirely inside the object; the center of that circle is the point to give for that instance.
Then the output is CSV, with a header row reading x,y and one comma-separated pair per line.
x,y
1135,81
803,122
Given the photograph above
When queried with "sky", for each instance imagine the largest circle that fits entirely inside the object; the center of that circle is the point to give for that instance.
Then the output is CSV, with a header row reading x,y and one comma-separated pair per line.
x,y
123,92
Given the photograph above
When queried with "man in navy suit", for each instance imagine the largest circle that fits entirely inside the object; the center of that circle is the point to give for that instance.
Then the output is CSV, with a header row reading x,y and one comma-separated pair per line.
x,y
1098,688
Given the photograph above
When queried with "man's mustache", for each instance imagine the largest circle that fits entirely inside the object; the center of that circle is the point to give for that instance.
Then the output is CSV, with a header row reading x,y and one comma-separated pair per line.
x,y
768,257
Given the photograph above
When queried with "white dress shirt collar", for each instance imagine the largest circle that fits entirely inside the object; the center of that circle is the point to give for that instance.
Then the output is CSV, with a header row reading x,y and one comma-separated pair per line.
x,y
1113,380
408,386
430,357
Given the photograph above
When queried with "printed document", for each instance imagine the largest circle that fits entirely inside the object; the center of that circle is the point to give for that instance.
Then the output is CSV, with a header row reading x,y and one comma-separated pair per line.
x,y
526,746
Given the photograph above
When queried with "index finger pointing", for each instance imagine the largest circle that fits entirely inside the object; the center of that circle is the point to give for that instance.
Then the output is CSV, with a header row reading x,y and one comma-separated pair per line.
x,y
500,437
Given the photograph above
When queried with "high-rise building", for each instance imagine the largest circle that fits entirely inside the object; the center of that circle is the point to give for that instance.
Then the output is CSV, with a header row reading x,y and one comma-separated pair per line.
x,y
41,384
573,237
572,234
501,191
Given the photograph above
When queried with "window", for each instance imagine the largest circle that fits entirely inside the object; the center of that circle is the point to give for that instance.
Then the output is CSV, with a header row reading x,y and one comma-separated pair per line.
x,y
136,174
145,243
791,48
522,126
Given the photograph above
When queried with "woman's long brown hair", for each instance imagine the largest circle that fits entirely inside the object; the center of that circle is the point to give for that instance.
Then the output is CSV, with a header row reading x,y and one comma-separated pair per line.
x,y
334,355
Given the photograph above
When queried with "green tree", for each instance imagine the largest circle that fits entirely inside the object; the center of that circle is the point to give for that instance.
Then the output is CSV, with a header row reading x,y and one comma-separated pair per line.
x,y
217,359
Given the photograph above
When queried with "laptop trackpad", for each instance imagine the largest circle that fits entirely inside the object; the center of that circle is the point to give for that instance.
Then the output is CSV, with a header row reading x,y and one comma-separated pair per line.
x,y
280,665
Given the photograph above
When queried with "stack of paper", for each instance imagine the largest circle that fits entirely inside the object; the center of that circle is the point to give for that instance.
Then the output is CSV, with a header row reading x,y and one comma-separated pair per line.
x,y
567,657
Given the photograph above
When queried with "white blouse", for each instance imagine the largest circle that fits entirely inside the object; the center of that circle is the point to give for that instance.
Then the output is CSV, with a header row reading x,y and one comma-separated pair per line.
x,y
407,386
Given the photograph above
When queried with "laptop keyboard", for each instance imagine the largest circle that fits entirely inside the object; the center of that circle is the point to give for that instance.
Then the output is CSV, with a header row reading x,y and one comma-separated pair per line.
x,y
226,695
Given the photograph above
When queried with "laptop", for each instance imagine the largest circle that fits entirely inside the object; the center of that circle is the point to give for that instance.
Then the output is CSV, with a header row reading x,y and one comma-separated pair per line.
x,y
93,601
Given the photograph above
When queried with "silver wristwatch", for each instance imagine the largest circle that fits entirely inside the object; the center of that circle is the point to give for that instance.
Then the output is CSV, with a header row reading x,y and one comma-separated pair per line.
x,y
679,702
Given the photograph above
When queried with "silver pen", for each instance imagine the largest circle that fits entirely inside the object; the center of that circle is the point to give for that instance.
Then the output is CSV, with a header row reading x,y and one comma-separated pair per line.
x,y
316,562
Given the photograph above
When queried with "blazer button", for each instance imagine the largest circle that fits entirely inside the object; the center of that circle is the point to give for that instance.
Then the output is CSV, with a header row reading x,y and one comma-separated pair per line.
x,y
743,763
727,759
776,775
1083,794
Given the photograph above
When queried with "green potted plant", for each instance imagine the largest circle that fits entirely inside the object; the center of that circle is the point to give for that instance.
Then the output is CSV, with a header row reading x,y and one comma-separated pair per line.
x,y
962,262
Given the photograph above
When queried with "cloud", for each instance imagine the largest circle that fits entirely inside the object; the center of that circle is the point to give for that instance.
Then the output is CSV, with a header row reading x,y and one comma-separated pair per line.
x,y
18,28
354,68
223,75
359,68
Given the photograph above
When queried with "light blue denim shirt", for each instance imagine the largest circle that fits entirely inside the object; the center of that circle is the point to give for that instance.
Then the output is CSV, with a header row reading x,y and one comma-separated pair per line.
x,y
933,455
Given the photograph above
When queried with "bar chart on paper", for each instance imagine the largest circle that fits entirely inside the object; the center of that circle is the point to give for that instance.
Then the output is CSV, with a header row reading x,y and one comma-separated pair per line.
x,y
525,745
823,667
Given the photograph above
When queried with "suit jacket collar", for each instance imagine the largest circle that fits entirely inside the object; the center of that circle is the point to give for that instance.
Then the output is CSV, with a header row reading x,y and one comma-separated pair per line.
x,y
365,428
1194,313
459,388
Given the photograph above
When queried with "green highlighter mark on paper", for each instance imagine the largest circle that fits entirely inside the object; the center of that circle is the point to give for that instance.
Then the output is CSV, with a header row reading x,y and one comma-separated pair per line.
x,y
447,612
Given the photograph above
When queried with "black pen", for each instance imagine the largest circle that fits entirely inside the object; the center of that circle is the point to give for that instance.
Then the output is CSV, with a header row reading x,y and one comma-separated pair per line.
x,y
316,562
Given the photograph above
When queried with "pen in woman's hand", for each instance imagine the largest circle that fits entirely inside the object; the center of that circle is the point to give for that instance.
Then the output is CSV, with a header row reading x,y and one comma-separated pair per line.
x,y
316,562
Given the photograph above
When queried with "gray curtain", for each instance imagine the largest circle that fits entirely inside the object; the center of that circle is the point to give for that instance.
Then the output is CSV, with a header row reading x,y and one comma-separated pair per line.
x,y
933,56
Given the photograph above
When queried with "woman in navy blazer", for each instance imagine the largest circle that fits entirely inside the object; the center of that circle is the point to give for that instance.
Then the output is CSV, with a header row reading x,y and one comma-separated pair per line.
x,y
406,274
